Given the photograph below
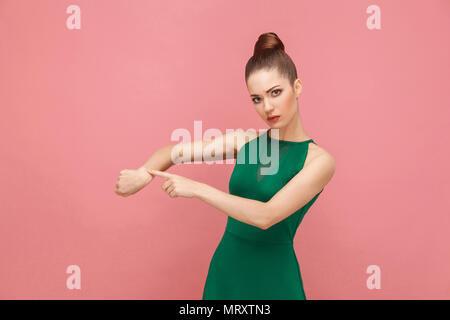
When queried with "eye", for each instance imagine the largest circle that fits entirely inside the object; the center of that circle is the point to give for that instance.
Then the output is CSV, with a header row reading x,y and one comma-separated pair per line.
x,y
277,90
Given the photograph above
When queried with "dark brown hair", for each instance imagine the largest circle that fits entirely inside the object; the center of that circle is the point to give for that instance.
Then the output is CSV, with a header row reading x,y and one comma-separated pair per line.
x,y
269,54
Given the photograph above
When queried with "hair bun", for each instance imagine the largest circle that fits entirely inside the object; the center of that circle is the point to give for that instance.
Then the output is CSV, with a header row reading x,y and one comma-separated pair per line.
x,y
268,40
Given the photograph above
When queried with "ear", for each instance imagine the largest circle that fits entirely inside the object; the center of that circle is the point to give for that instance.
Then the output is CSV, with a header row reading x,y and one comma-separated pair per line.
x,y
297,87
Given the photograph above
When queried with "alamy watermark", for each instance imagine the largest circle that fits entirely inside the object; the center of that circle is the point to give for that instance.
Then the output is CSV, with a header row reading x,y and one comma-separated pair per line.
x,y
214,152
374,280
74,280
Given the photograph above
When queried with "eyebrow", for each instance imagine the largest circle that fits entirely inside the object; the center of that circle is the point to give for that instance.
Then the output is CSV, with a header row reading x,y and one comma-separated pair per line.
x,y
266,90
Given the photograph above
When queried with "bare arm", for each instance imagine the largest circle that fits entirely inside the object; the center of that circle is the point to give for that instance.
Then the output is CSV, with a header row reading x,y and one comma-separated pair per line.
x,y
295,194
249,211
223,147
304,186
160,159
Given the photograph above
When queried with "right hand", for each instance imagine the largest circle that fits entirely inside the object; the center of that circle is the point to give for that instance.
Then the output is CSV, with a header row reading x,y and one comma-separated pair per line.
x,y
131,181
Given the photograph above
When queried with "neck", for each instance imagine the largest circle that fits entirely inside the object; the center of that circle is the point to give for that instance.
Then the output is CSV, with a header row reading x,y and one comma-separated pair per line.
x,y
293,131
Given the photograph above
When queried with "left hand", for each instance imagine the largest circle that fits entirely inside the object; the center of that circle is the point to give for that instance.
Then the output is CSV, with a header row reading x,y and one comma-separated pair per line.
x,y
176,185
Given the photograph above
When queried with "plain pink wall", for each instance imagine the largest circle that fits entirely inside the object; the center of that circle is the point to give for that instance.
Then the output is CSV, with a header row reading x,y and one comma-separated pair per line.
x,y
78,106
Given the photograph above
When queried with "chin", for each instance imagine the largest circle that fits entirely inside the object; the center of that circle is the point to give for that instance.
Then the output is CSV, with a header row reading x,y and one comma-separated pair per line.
x,y
275,125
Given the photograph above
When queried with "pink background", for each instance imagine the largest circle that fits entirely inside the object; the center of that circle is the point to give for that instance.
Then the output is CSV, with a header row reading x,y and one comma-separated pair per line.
x,y
78,106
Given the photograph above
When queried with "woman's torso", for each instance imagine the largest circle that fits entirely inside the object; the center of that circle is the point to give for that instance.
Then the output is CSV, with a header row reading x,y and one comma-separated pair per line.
x,y
263,166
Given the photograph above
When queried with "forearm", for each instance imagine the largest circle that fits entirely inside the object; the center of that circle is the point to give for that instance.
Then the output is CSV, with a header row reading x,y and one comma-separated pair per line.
x,y
165,157
161,159
249,211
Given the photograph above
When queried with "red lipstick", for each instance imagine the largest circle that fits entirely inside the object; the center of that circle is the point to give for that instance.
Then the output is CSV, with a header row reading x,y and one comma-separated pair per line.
x,y
273,118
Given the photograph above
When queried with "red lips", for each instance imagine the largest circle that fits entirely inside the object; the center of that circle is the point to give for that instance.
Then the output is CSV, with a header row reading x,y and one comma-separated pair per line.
x,y
273,119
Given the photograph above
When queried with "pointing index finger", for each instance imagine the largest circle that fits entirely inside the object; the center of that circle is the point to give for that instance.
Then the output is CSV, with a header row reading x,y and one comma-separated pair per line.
x,y
159,173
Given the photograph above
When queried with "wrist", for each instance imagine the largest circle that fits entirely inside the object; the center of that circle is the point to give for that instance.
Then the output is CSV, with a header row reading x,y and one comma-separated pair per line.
x,y
199,191
149,176
142,168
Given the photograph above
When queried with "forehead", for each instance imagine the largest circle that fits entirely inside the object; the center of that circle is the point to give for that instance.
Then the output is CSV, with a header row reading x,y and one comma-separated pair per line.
x,y
261,80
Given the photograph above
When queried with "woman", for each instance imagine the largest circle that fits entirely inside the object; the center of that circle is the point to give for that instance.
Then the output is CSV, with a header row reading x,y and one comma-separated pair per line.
x,y
255,258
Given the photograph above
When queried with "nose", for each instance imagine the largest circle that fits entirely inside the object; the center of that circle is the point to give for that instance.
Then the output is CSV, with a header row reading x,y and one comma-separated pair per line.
x,y
267,106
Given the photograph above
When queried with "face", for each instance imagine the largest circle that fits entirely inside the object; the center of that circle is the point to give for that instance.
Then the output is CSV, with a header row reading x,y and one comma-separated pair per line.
x,y
273,95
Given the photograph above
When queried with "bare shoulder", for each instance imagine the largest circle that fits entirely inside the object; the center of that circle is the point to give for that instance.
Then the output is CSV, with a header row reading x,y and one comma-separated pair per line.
x,y
315,151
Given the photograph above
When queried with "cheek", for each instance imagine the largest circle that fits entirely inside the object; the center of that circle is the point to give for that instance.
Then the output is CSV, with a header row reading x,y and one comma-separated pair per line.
x,y
286,103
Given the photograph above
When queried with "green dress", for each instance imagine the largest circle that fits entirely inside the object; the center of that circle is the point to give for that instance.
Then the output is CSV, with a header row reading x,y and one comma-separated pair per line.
x,y
253,263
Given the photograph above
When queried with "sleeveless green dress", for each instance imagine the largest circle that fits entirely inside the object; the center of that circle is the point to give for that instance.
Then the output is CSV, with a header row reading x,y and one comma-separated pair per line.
x,y
249,262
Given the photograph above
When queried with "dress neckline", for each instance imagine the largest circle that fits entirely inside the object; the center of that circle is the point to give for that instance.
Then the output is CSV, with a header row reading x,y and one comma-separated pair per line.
x,y
286,141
